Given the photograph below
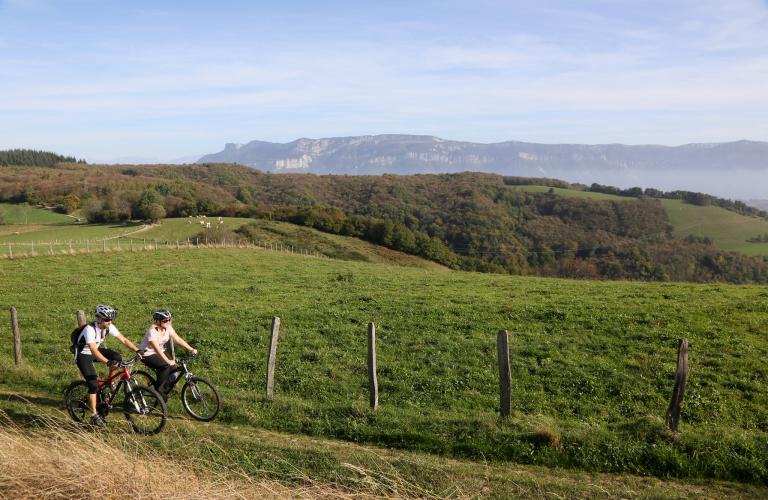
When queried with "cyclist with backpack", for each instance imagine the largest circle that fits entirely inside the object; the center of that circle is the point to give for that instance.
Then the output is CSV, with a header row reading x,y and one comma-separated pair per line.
x,y
155,356
86,349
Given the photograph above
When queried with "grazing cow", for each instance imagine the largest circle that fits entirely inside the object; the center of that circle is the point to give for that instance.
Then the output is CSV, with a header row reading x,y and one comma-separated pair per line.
x,y
16,233
189,221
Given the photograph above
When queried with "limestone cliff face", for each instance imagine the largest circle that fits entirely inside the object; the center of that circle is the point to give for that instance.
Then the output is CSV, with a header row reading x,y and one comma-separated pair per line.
x,y
725,165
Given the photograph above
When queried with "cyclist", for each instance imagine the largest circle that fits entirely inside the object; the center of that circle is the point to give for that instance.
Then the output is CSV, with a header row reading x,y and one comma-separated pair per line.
x,y
155,356
94,334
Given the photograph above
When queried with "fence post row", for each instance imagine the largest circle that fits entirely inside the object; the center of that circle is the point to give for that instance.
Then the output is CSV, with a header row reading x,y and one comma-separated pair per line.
x,y
678,391
271,358
16,336
505,375
373,385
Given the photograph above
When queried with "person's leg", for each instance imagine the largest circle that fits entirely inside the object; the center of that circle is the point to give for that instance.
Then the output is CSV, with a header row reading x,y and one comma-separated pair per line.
x,y
85,365
112,356
162,370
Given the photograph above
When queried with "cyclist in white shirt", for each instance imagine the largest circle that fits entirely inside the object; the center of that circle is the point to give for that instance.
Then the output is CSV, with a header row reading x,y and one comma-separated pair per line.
x,y
94,334
153,346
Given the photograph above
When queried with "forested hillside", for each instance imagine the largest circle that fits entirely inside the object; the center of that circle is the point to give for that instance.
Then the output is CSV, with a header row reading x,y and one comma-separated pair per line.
x,y
470,221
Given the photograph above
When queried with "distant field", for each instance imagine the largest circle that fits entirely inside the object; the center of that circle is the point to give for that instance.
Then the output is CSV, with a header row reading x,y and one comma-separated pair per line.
x,y
60,235
570,192
730,230
34,216
302,239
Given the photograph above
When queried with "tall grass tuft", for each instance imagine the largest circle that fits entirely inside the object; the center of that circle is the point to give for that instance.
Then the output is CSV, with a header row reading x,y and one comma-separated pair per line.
x,y
53,459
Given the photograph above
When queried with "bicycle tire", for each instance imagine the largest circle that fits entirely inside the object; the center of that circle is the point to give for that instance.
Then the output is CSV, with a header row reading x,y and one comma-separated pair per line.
x,y
76,400
152,413
202,403
144,378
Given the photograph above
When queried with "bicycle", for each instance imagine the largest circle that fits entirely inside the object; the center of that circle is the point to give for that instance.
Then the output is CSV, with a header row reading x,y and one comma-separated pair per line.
x,y
143,407
199,397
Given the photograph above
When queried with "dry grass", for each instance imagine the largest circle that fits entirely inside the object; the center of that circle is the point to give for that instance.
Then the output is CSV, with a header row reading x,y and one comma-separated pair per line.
x,y
54,460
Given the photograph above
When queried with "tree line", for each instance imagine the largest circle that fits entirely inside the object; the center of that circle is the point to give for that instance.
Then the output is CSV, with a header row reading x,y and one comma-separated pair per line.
x,y
33,158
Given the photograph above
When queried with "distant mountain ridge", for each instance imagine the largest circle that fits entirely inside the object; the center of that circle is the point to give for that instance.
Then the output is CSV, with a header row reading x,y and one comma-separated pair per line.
x,y
731,169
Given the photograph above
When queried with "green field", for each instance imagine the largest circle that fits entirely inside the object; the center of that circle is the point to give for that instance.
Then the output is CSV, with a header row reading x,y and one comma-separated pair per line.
x,y
592,362
47,236
569,192
34,216
729,230
278,234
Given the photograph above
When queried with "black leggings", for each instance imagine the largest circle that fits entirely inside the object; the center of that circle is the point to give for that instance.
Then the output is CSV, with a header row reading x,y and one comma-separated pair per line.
x,y
162,369
85,364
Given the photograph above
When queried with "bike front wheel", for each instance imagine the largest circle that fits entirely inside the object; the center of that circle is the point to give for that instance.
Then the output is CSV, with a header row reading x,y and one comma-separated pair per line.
x,y
76,399
201,399
145,410
144,378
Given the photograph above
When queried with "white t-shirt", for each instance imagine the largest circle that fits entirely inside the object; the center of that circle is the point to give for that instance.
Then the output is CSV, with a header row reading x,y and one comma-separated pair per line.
x,y
93,334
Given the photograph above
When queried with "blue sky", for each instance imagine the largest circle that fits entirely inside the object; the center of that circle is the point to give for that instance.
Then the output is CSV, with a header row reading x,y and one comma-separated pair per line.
x,y
167,79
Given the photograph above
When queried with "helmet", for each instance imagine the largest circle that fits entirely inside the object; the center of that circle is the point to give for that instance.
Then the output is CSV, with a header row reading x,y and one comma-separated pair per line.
x,y
105,312
162,314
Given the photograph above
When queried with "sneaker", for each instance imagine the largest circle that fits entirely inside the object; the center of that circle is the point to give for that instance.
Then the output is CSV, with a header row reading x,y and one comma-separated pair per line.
x,y
97,420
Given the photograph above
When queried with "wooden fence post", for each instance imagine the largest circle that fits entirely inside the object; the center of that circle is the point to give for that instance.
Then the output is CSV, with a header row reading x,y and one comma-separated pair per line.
x,y
50,247
16,336
104,248
10,251
505,375
145,243
271,358
33,249
131,244
88,246
70,246
373,385
173,349
678,391
155,243
80,318
177,244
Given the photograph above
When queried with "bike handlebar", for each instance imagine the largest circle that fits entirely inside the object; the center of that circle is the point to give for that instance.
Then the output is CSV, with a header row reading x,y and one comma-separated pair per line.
x,y
186,358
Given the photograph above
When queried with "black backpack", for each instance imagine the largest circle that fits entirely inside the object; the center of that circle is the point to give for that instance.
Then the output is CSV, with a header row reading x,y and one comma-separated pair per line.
x,y
77,341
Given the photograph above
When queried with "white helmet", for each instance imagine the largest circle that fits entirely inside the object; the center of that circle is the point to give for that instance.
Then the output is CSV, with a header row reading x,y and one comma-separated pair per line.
x,y
105,312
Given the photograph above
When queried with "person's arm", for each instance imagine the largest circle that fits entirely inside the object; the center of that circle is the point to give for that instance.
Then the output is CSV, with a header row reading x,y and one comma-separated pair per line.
x,y
182,342
156,346
127,343
95,352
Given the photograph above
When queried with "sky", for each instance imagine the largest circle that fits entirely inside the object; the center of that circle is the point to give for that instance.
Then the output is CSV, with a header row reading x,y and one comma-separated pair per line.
x,y
103,80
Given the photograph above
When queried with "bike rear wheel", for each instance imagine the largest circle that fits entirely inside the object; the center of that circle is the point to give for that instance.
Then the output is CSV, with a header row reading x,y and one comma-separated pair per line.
x,y
201,399
76,399
145,410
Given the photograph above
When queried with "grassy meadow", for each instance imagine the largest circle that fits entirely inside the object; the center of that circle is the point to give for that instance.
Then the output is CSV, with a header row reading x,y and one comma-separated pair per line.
x,y
34,216
729,230
592,362
569,192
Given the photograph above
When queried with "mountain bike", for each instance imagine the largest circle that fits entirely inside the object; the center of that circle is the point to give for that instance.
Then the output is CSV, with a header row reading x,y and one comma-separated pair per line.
x,y
143,407
199,397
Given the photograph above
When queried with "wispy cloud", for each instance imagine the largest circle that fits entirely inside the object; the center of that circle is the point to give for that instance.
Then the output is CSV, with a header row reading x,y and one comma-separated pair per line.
x,y
103,79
